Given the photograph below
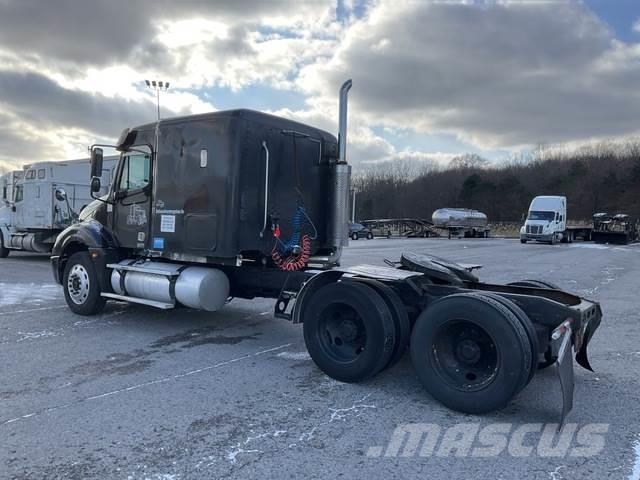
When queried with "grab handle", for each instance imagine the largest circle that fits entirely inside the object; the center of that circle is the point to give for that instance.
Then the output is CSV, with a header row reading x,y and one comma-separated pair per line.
x,y
266,187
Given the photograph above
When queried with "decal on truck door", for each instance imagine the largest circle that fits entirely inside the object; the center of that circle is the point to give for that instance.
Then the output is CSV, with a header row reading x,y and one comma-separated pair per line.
x,y
168,223
136,216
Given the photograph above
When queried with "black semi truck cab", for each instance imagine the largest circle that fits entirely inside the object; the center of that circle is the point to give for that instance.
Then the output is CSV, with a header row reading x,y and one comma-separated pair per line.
x,y
244,204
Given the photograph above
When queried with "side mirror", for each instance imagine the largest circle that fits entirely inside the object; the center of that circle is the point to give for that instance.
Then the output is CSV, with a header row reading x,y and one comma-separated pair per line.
x,y
95,184
96,163
61,195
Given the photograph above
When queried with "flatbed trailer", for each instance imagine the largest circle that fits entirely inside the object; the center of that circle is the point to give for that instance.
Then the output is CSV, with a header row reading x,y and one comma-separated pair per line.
x,y
196,234
577,232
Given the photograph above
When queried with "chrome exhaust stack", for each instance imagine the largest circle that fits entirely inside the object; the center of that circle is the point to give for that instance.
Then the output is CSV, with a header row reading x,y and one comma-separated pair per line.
x,y
342,121
340,185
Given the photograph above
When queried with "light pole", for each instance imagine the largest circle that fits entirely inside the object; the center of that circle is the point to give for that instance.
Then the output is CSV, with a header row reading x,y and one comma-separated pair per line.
x,y
353,211
157,86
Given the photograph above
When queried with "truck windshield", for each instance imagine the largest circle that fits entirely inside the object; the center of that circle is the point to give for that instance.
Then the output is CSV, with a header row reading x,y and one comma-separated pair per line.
x,y
539,215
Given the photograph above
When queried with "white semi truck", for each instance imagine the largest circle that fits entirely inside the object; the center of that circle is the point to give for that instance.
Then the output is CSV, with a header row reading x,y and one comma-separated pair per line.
x,y
547,222
41,200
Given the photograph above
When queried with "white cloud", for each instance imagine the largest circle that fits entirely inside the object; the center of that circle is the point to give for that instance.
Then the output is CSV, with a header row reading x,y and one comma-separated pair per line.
x,y
493,74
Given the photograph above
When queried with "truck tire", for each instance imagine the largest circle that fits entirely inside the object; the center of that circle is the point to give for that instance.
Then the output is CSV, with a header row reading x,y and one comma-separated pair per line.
x,y
354,236
80,285
4,251
349,331
525,321
522,240
471,353
369,236
400,318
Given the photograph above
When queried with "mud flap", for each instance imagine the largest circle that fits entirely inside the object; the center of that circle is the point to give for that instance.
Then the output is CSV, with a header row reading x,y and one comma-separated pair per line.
x,y
581,356
565,373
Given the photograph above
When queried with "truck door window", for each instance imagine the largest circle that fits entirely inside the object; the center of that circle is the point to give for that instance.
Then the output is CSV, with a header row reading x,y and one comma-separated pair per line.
x,y
19,194
31,174
135,171
41,173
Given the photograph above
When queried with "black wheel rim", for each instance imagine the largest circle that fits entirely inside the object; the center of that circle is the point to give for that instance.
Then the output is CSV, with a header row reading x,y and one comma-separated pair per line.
x,y
465,356
341,333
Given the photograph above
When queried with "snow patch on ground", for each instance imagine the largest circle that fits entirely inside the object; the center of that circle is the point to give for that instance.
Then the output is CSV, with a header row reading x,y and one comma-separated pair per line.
x,y
635,473
22,293
593,246
294,355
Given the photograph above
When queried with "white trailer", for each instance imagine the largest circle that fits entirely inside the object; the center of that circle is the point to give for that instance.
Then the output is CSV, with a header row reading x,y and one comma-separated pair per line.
x,y
43,199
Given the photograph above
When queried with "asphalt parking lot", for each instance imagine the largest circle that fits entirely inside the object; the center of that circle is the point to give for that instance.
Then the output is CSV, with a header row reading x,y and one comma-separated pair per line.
x,y
137,393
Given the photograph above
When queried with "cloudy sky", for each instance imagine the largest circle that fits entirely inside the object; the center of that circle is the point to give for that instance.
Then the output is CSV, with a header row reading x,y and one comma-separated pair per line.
x,y
431,79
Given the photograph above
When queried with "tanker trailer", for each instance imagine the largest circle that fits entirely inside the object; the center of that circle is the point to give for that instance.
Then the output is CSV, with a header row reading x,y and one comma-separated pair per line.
x,y
459,222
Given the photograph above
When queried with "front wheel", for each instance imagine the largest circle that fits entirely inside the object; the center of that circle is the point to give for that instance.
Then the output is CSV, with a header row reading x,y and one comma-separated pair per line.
x,y
81,287
369,236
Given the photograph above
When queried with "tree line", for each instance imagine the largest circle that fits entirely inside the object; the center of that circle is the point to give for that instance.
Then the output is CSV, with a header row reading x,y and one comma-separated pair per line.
x,y
602,177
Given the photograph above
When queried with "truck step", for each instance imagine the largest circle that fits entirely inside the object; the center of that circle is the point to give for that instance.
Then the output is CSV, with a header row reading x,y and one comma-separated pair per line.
x,y
142,301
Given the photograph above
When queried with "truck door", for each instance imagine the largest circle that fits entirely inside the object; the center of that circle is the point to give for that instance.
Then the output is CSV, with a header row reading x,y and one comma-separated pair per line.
x,y
132,192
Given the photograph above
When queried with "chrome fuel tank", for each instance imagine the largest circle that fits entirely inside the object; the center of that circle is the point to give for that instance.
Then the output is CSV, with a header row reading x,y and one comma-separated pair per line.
x,y
201,288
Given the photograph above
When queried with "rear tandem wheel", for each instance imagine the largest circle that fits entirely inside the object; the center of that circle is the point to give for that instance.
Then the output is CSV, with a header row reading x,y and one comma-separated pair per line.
x,y
349,331
471,352
400,318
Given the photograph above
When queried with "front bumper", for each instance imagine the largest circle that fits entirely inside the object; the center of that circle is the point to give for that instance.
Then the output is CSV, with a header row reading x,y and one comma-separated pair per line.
x,y
538,238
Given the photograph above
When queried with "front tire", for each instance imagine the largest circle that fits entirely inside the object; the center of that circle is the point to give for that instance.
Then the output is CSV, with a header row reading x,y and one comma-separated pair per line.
x,y
369,236
81,286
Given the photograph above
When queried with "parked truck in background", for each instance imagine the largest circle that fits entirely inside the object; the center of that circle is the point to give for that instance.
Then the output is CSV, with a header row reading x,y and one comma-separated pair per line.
x,y
243,204
43,199
547,222
461,222
616,228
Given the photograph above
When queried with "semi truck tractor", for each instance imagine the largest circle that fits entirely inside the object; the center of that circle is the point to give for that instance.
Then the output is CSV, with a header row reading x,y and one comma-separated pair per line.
x,y
240,203
547,222
43,199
